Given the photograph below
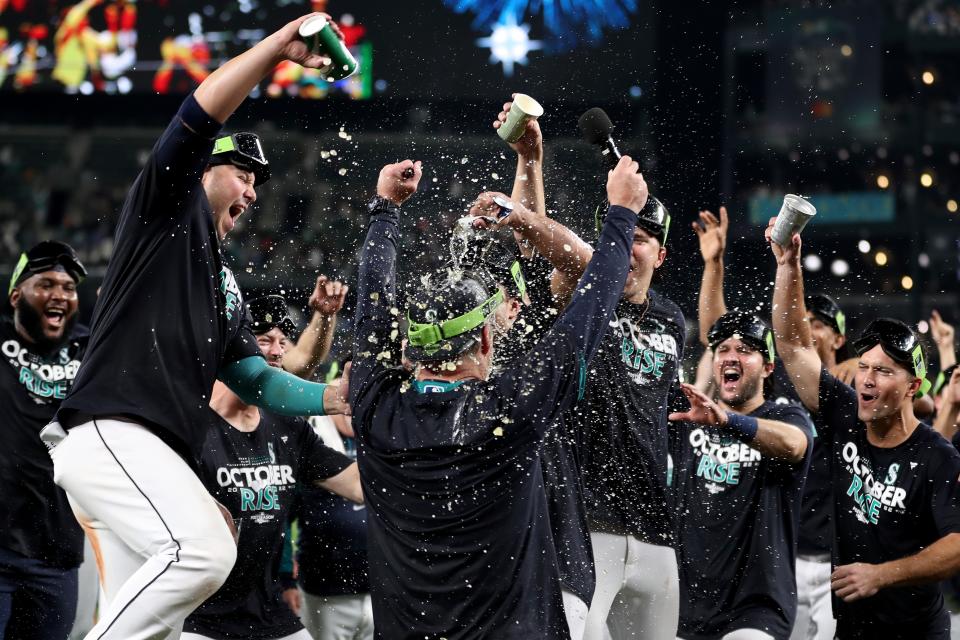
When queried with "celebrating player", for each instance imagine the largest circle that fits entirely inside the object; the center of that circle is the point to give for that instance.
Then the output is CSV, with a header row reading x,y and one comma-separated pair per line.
x,y
896,500
741,477
252,461
460,545
41,545
169,321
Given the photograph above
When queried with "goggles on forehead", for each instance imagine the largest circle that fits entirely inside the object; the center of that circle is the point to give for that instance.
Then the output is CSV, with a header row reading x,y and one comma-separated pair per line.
x,y
245,151
900,343
748,328
47,256
430,333
653,218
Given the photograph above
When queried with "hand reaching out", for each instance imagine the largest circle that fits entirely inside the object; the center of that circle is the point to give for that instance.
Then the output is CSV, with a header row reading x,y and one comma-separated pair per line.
x,y
702,410
293,48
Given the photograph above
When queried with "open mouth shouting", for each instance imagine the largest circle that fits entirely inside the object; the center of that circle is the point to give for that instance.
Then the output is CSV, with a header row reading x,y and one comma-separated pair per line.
x,y
55,317
730,377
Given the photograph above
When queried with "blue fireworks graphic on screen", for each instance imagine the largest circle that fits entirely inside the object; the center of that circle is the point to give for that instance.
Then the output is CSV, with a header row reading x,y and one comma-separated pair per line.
x,y
568,23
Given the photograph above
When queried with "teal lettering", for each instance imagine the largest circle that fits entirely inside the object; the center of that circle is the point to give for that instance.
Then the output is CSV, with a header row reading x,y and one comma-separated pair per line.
x,y
247,499
728,473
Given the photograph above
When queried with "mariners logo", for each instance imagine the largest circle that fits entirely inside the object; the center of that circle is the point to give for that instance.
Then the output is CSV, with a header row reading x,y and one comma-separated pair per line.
x,y
869,496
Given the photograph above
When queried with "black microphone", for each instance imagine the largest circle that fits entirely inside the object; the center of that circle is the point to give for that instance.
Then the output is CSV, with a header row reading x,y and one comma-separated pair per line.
x,y
596,128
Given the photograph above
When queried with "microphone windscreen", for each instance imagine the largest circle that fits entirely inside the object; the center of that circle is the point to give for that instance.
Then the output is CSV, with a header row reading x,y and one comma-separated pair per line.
x,y
595,126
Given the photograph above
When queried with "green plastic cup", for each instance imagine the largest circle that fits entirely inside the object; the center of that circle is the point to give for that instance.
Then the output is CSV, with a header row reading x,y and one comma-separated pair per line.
x,y
523,110
321,38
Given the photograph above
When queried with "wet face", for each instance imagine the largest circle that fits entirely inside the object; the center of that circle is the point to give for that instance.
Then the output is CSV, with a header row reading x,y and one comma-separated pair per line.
x,y
273,344
738,371
45,308
230,192
826,340
646,255
505,314
882,386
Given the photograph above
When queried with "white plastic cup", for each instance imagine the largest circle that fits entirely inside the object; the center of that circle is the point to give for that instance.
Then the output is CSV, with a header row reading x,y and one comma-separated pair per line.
x,y
523,110
794,215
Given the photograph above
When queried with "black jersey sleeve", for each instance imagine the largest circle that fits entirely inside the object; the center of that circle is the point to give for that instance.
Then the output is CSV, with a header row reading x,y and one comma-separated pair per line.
x,y
171,176
552,376
317,461
376,315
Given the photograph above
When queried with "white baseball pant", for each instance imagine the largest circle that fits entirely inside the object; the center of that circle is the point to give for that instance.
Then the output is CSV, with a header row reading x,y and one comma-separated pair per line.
x,y
814,605
344,617
643,579
161,543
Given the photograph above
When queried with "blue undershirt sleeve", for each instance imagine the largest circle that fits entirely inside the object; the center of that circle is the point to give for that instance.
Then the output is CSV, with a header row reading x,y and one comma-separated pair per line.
x,y
256,382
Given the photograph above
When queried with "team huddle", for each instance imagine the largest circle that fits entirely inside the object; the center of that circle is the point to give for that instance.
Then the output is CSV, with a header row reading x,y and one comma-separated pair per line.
x,y
511,453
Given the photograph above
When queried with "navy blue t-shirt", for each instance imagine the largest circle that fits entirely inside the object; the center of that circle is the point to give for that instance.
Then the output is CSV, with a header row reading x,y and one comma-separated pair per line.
x,y
37,520
624,421
254,475
169,313
889,503
738,535
460,544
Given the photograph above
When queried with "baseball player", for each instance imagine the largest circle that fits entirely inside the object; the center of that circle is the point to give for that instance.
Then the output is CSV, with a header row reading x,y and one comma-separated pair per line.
x,y
460,544
252,461
169,321
41,544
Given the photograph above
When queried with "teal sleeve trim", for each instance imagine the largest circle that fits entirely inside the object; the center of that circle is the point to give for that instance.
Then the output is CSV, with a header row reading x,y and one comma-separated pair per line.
x,y
274,389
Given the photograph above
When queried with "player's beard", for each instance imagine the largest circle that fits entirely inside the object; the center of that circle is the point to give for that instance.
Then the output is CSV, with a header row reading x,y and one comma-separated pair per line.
x,y
32,322
748,390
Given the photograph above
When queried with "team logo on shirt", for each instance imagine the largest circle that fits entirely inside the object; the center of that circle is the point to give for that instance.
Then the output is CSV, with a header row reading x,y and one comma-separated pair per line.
x,y
647,354
721,459
869,496
44,381
231,292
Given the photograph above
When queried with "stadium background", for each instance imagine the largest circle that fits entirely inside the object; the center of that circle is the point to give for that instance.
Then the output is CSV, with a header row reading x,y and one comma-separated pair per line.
x,y
854,104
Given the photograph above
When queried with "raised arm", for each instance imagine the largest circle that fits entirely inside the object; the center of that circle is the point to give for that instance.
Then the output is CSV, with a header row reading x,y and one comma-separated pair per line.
x,y
943,334
790,326
949,414
553,375
772,438
712,236
377,319
563,248
225,89
313,347
528,179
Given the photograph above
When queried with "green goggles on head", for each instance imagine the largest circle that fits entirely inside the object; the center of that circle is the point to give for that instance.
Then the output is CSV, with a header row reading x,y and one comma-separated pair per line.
x,y
423,335
245,151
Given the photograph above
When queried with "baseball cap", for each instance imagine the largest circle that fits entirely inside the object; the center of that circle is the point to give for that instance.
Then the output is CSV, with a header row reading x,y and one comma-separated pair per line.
x,y
49,255
268,312
826,309
242,149
746,326
899,342
445,319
